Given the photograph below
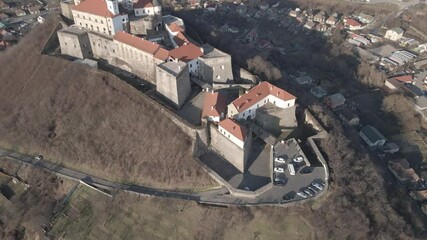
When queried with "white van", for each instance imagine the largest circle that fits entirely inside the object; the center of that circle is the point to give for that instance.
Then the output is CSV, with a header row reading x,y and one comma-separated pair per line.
x,y
291,169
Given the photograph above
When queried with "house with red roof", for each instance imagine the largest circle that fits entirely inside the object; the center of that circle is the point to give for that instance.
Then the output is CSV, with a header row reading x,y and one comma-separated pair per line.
x,y
352,24
214,107
100,15
190,54
246,105
147,8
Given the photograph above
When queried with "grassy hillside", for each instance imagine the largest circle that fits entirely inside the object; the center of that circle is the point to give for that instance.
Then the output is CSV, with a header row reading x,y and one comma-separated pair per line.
x,y
89,120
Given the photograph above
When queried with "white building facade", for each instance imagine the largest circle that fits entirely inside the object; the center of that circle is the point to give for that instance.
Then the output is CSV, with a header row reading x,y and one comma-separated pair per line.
x,y
100,15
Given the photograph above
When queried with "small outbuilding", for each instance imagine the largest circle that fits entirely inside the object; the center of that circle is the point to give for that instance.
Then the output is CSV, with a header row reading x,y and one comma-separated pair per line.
x,y
372,137
334,100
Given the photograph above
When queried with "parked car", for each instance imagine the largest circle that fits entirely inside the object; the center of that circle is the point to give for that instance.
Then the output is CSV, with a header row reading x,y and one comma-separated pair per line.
x,y
279,181
299,159
302,194
306,191
318,186
279,170
289,196
38,157
279,160
311,190
291,169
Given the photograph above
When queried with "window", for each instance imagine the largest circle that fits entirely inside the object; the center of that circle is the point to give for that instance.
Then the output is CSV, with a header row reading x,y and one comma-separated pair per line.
x,y
289,104
257,105
86,25
243,114
65,43
102,21
137,12
191,65
197,62
222,67
228,135
218,77
249,111
96,20
81,24
123,19
114,51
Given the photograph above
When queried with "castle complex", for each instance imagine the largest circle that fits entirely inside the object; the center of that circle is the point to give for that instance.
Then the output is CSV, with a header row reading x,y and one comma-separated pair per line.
x,y
134,36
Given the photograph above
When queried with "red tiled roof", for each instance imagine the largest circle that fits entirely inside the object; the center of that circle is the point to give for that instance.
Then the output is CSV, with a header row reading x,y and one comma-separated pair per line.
x,y
175,28
143,4
149,47
259,92
405,78
352,22
234,128
214,105
95,7
180,39
186,53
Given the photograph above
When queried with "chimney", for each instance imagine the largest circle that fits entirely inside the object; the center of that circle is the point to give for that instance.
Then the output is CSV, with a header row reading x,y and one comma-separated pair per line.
x,y
247,100
246,91
271,88
212,107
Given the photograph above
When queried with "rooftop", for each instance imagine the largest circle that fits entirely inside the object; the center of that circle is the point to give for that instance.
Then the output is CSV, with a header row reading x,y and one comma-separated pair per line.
x,y
258,93
186,53
398,30
211,52
173,67
372,133
234,128
404,78
95,7
169,19
149,47
215,104
146,3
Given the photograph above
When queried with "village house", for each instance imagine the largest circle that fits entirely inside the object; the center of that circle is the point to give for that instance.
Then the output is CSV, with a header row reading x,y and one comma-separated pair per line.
x,y
332,20
318,91
310,25
263,5
147,8
320,18
34,9
372,137
352,24
419,195
402,171
101,16
334,100
53,6
394,34
365,18
246,105
348,116
214,107
20,13
241,9
193,4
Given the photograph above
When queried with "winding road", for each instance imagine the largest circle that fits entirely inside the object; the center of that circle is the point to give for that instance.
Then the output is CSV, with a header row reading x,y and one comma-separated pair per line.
x,y
220,196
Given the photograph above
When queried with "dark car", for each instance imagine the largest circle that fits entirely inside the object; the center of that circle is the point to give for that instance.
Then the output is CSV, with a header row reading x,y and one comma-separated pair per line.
x,y
289,196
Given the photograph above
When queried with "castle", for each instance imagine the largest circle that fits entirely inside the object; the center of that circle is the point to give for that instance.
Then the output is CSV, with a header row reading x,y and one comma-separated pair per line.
x,y
133,35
